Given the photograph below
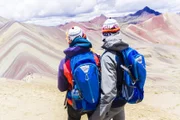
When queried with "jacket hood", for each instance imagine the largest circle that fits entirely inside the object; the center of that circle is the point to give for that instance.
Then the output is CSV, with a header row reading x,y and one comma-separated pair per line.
x,y
82,42
114,43
78,45
72,51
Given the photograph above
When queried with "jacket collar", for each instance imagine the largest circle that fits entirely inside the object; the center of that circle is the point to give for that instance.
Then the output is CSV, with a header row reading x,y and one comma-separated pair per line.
x,y
114,43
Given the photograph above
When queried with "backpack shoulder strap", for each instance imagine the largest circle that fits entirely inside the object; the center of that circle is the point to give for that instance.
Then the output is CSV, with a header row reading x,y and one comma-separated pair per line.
x,y
120,72
104,53
97,59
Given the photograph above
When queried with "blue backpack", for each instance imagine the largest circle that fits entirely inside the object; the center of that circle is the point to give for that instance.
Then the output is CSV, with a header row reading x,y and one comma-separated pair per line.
x,y
86,77
134,76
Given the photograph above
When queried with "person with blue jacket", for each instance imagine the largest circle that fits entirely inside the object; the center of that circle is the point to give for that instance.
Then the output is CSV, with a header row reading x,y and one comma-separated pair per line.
x,y
78,44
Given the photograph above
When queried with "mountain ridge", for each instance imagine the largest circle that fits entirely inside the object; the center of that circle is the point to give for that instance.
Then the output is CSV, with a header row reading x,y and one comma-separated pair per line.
x,y
146,9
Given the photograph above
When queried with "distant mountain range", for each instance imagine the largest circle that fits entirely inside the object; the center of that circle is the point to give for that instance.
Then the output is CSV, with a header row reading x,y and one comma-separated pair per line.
x,y
28,49
139,16
146,9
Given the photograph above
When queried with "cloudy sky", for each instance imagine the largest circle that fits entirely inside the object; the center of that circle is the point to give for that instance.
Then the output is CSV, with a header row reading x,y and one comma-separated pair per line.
x,y
54,12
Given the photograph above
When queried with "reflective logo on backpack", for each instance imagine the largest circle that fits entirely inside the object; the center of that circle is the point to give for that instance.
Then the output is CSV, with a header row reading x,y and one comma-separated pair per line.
x,y
85,68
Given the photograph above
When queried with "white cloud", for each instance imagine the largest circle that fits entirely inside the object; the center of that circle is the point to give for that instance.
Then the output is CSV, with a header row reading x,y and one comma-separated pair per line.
x,y
54,21
25,9
134,5
34,10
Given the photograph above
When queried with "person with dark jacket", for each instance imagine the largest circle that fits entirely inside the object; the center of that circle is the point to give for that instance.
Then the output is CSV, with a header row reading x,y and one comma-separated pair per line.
x,y
111,104
78,44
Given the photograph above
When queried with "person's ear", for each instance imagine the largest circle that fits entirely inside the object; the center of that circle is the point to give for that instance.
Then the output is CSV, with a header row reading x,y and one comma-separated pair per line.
x,y
69,41
84,36
67,38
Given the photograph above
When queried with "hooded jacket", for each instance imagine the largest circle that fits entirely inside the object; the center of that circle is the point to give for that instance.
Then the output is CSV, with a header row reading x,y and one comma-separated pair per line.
x,y
78,46
109,76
